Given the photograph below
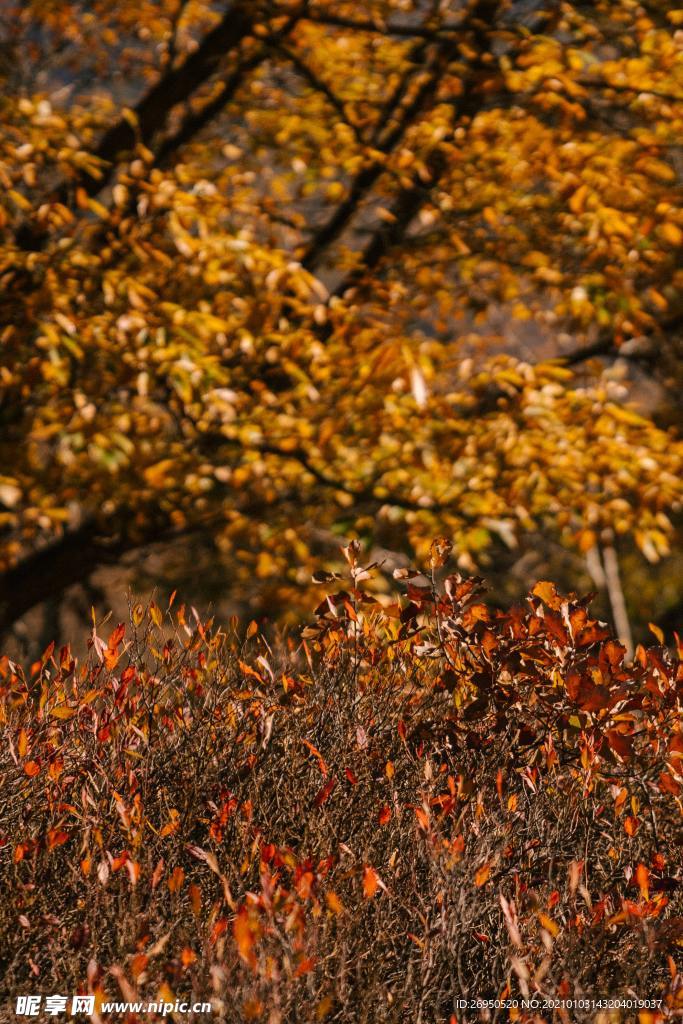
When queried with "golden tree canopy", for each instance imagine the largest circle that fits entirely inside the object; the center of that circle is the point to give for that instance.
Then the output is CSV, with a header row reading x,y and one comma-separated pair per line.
x,y
284,269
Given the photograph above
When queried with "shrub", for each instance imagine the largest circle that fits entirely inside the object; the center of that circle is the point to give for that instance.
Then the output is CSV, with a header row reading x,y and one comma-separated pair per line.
x,y
426,801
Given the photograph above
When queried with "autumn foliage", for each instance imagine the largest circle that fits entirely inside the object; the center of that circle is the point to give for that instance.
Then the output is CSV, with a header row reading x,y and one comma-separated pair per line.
x,y
280,272
422,800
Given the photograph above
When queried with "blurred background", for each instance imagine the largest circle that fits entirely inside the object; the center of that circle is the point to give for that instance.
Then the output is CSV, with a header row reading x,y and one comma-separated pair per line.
x,y
274,275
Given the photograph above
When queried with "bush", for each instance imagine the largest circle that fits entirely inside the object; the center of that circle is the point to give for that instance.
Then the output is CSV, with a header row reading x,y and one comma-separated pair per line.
x,y
426,801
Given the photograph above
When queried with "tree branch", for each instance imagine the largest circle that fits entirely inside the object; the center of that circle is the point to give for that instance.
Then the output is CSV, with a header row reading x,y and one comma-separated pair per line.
x,y
367,178
385,29
150,113
72,558
210,442
175,87
50,570
605,344
319,85
411,199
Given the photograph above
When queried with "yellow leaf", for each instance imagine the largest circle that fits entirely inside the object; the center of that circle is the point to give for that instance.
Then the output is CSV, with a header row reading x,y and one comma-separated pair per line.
x,y
98,209
156,474
670,233
577,200
657,169
549,925
63,712
334,903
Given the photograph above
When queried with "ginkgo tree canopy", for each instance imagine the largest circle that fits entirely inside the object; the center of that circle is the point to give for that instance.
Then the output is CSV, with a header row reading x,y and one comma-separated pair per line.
x,y
277,269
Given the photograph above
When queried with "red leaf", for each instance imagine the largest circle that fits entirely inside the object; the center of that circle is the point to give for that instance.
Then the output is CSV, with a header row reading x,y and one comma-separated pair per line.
x,y
220,927
323,794
620,744
667,784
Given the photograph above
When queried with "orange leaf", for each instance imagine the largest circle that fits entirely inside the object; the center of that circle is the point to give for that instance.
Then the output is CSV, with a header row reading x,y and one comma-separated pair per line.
x,y
195,899
620,744
370,882
549,925
245,937
56,837
133,869
548,594
422,818
305,966
31,768
482,875
138,964
316,753
175,882
157,873
384,815
642,876
334,903
220,928
116,637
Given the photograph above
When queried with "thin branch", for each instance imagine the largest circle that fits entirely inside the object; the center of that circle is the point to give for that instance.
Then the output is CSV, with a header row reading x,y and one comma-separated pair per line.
x,y
616,596
150,113
481,13
212,442
386,29
393,102
364,182
319,85
175,87
195,122
410,200
172,49
606,345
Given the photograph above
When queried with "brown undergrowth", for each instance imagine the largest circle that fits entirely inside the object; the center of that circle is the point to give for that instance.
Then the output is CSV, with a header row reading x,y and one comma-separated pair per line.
x,y
426,801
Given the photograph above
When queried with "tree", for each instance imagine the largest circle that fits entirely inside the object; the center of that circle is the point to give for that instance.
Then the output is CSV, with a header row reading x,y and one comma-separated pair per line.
x,y
307,271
